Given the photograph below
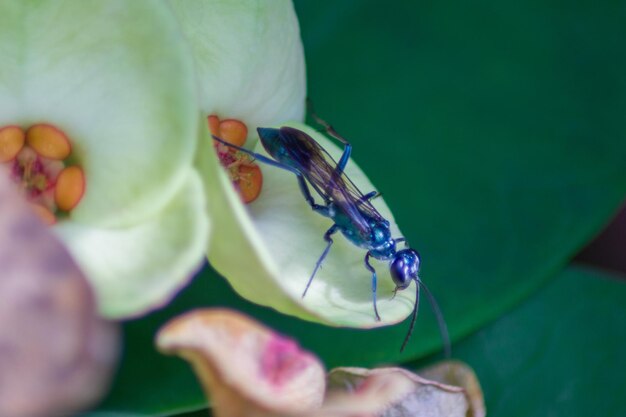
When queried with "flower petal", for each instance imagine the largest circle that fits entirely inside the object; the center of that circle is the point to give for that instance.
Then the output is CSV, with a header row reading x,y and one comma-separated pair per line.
x,y
117,78
249,59
268,251
236,248
58,355
138,268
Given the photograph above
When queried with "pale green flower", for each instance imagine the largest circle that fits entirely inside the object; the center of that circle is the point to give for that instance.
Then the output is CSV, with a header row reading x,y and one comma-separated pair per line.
x,y
117,78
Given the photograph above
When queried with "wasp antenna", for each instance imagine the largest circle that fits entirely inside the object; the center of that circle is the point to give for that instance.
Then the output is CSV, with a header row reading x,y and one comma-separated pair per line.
x,y
441,322
311,110
329,129
414,315
309,104
395,291
222,141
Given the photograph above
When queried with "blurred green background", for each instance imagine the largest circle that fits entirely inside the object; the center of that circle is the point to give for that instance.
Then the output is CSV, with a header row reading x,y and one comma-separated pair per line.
x,y
495,131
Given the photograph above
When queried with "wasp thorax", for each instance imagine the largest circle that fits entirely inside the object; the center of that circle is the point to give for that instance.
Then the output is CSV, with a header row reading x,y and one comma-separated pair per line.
x,y
404,268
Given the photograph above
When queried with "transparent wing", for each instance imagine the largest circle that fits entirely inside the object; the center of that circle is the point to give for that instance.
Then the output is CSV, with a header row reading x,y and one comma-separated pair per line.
x,y
319,167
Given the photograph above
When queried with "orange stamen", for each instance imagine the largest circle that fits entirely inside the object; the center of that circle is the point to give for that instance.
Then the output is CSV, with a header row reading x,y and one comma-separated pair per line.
x,y
233,131
11,142
245,174
70,188
44,214
48,141
249,182
229,130
214,124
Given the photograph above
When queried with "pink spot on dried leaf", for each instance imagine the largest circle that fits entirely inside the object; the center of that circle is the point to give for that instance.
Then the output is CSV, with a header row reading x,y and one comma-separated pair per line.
x,y
244,366
281,360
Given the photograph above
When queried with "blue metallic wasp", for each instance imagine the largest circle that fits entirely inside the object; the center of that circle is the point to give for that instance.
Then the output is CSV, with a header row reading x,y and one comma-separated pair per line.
x,y
350,210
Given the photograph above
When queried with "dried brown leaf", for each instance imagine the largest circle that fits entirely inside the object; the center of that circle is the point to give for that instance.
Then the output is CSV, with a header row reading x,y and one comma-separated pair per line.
x,y
459,374
358,392
249,370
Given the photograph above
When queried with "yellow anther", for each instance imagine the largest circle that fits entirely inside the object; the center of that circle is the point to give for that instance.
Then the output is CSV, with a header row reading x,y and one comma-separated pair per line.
x,y
70,188
249,182
232,131
48,141
11,142
245,174
214,124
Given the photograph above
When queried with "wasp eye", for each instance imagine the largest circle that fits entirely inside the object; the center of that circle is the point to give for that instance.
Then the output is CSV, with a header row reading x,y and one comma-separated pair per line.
x,y
404,268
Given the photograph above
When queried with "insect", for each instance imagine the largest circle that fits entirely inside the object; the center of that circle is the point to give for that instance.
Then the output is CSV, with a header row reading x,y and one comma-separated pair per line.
x,y
351,211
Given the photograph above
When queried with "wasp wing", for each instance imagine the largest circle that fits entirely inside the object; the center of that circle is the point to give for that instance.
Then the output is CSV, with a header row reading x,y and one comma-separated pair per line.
x,y
319,168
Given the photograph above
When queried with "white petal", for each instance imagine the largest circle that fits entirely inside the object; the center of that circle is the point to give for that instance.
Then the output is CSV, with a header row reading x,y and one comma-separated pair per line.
x,y
117,78
249,59
138,268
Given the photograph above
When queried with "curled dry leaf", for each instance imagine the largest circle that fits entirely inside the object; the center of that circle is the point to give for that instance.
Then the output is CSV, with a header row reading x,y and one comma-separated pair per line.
x,y
56,355
246,368
249,370
461,375
358,392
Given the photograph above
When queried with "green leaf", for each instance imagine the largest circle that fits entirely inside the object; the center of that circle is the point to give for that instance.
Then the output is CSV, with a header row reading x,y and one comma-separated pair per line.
x,y
560,354
495,133
116,414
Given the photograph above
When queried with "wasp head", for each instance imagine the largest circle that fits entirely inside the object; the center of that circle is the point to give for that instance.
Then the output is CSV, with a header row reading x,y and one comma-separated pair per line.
x,y
404,267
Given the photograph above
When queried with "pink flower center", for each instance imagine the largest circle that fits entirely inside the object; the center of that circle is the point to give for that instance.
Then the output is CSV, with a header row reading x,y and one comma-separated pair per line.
x,y
38,161
281,360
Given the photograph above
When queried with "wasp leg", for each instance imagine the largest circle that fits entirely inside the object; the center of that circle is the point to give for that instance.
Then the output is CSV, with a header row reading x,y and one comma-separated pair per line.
x,y
400,240
323,210
343,161
374,285
367,197
347,150
329,240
